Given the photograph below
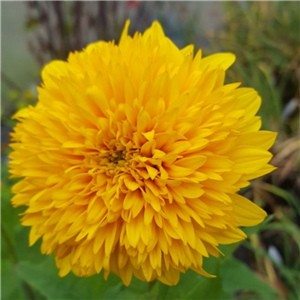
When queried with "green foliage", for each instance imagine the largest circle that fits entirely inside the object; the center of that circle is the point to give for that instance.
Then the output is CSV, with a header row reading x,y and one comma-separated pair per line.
x,y
11,288
290,276
238,277
291,200
232,276
265,38
51,286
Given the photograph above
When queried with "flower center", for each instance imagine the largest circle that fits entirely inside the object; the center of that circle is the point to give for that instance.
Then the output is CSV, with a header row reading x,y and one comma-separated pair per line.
x,y
113,158
116,158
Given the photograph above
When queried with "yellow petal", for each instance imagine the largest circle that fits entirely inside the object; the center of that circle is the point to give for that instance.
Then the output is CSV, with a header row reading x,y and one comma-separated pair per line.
x,y
193,162
55,68
152,171
72,144
263,171
248,160
246,212
188,50
124,32
149,135
190,190
229,236
130,199
263,139
155,31
131,184
22,113
220,60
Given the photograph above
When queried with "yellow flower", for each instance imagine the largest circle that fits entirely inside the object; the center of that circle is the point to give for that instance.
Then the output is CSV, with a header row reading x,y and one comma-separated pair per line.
x,y
132,159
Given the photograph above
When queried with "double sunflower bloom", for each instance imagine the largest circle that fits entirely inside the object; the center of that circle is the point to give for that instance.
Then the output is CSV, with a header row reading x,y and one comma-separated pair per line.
x,y
132,159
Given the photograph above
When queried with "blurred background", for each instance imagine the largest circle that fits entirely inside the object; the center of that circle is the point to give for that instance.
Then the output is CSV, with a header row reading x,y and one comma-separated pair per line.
x,y
266,40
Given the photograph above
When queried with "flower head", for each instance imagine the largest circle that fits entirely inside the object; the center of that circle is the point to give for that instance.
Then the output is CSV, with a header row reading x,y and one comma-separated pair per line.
x,y
132,159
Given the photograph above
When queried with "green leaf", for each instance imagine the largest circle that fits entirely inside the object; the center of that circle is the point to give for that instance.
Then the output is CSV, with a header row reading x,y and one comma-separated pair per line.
x,y
205,289
11,288
236,276
137,290
194,286
44,278
23,251
190,286
290,276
